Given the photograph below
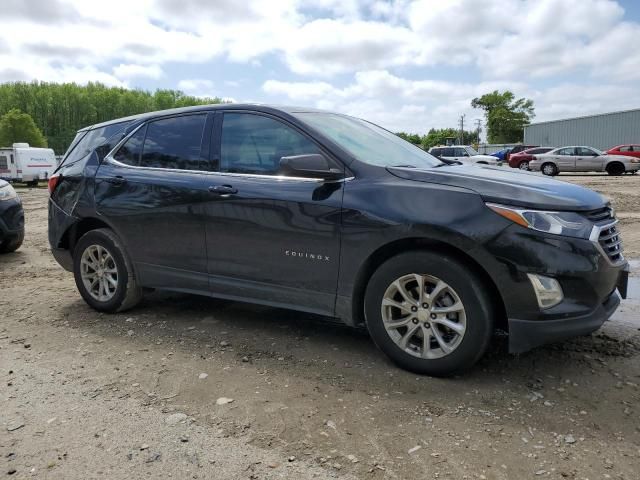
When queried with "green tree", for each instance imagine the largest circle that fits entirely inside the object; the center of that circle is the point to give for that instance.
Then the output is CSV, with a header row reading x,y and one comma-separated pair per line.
x,y
61,109
18,127
442,136
410,137
506,117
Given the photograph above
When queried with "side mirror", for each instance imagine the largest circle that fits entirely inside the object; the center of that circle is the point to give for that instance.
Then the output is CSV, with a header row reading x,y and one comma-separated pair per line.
x,y
312,165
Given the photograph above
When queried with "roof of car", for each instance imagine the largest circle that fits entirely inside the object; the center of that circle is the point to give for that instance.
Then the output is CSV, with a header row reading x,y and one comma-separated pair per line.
x,y
201,108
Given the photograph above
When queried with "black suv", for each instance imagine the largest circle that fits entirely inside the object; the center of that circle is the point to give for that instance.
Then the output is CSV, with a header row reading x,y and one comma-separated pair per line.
x,y
329,214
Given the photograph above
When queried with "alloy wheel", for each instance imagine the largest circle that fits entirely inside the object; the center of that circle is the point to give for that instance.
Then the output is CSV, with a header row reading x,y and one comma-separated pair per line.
x,y
548,169
424,316
524,166
99,273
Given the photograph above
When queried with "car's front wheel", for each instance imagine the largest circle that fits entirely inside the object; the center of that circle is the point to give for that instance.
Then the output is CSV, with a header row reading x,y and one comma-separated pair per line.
x,y
428,313
615,169
103,273
524,166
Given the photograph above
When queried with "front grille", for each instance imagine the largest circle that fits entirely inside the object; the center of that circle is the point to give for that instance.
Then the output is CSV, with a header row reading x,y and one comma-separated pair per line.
x,y
610,241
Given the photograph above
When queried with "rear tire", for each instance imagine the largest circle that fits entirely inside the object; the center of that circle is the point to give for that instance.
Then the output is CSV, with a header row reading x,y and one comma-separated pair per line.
x,y
524,166
103,272
615,169
549,169
11,244
455,340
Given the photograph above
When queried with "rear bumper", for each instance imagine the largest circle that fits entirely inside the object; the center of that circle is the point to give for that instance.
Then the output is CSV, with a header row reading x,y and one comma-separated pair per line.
x,y
527,334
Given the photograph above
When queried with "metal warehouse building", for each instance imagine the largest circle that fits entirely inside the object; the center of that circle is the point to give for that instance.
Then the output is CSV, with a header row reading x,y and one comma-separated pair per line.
x,y
601,131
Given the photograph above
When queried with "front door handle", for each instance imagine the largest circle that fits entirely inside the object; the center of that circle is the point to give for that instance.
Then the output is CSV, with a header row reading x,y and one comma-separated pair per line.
x,y
117,180
223,190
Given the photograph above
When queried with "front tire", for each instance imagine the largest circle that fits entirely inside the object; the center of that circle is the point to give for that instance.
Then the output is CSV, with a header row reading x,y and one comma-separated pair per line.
x,y
103,273
428,313
615,169
524,166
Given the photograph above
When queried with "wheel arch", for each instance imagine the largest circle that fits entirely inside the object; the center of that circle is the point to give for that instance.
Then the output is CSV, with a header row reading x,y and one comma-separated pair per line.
x,y
71,236
385,252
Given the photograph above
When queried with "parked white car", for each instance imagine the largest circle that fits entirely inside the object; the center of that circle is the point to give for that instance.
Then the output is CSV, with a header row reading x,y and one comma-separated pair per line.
x,y
583,159
22,163
464,154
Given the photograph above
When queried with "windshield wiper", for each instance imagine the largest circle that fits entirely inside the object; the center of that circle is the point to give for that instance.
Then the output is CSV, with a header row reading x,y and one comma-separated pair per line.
x,y
403,166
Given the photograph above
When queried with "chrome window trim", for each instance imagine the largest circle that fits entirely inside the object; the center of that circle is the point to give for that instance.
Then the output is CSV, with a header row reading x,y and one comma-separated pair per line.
x,y
594,238
109,158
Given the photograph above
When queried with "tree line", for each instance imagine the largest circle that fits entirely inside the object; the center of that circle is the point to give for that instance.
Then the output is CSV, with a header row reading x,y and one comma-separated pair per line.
x,y
505,117
59,110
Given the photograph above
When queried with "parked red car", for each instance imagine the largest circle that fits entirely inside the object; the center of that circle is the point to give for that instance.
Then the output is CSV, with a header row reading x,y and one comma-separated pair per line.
x,y
521,159
628,150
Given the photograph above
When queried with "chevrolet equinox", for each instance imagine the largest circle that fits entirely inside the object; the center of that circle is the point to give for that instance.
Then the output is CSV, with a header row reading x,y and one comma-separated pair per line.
x,y
326,213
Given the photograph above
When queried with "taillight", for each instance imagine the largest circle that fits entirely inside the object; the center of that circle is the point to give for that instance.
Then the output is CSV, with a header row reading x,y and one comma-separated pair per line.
x,y
533,157
53,182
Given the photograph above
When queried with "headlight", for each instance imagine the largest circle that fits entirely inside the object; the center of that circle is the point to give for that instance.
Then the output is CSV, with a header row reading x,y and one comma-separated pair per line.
x,y
7,192
635,160
558,223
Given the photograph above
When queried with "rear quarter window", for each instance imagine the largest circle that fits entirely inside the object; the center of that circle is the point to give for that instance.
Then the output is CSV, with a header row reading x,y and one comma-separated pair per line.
x,y
103,139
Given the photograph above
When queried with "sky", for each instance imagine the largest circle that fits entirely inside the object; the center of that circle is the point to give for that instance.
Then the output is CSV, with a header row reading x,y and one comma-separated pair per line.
x,y
406,65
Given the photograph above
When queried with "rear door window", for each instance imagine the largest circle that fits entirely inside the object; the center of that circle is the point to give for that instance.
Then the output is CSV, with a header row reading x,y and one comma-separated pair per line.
x,y
175,143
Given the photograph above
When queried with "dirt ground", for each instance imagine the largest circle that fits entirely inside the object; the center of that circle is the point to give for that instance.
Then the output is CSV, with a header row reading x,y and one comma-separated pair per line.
x,y
147,394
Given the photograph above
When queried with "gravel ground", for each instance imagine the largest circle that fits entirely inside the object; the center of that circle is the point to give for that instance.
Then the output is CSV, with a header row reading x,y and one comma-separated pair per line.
x,y
190,387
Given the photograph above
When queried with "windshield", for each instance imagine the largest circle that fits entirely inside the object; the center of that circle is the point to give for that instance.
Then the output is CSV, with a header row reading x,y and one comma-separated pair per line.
x,y
368,142
472,151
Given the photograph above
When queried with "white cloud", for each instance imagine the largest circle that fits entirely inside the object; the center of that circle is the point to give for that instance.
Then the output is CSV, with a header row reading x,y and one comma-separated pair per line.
x,y
195,84
387,60
137,71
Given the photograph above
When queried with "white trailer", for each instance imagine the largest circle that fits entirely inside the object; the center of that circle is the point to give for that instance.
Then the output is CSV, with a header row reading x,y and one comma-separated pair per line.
x,y
22,163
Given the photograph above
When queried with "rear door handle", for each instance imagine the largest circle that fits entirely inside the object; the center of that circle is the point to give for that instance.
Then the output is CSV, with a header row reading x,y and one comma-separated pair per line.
x,y
223,190
117,180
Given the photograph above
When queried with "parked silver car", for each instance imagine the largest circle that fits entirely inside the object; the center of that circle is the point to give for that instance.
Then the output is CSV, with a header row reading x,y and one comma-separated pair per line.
x,y
583,159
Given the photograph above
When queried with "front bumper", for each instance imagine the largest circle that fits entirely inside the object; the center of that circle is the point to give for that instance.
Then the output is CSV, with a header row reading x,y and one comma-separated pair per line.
x,y
527,334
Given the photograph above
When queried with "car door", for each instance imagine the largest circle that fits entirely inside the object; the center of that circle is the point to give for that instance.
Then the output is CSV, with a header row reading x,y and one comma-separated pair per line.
x,y
565,159
271,238
152,191
588,160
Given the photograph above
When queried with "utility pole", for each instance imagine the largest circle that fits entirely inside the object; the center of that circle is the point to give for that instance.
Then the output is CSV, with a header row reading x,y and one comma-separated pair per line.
x,y
462,129
478,123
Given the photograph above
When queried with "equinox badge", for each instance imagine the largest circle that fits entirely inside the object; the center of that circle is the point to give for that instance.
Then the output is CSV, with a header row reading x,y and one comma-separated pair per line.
x,y
310,256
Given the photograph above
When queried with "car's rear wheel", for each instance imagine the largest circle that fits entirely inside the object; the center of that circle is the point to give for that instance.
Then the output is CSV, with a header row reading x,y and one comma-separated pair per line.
x,y
103,273
549,169
524,166
615,168
428,313
11,244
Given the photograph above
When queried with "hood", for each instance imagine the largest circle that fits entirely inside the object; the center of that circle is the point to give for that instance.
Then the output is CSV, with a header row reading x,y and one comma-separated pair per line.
x,y
517,188
3,183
